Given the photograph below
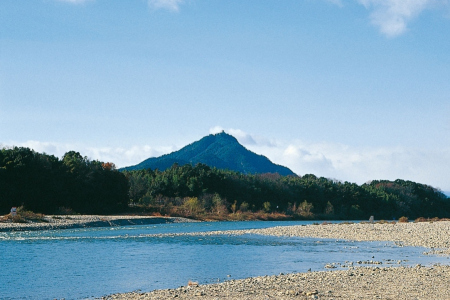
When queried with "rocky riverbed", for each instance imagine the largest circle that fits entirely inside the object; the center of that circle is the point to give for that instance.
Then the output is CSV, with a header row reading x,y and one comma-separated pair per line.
x,y
434,235
84,221
358,283
417,282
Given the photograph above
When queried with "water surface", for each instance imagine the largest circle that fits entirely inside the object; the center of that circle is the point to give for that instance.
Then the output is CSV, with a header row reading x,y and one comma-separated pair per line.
x,y
84,263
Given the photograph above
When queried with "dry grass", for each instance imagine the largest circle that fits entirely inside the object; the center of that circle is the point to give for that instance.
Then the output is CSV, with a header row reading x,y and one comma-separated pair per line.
x,y
435,219
403,220
23,216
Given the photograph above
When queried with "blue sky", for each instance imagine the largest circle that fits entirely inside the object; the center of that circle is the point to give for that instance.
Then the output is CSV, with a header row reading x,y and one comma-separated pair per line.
x,y
353,89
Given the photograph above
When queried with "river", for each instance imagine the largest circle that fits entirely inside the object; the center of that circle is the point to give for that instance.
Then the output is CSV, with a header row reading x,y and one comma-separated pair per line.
x,y
89,263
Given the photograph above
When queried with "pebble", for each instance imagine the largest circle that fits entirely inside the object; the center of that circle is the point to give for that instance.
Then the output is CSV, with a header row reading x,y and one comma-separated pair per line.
x,y
391,283
51,222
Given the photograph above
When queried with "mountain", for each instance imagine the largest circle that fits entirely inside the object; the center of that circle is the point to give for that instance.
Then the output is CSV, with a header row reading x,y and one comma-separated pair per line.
x,y
220,150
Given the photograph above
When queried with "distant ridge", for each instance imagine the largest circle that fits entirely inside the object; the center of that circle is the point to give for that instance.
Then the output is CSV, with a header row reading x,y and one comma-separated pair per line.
x,y
221,151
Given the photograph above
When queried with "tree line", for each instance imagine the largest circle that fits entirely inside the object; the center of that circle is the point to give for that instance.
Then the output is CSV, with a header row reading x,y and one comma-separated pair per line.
x,y
194,190
46,184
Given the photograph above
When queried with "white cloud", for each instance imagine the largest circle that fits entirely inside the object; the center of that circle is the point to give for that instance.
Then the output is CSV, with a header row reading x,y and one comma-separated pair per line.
x,y
330,160
392,16
362,164
216,129
121,157
56,149
173,5
348,163
243,137
124,157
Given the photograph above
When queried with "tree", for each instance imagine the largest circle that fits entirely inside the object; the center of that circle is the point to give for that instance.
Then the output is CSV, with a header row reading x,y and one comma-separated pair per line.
x,y
234,207
329,209
219,205
244,206
304,209
192,206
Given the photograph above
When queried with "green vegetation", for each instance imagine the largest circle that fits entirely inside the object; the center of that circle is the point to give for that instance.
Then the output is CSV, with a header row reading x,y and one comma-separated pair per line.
x,y
46,184
74,184
203,192
23,216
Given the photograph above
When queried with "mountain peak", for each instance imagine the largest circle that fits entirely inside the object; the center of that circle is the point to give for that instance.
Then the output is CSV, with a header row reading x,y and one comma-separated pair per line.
x,y
223,137
220,150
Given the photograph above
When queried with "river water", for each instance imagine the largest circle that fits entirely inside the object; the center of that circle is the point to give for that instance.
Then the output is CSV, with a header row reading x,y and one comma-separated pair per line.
x,y
88,263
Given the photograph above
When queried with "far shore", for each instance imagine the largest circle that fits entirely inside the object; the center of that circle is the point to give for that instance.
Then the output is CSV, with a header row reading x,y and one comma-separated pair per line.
x,y
50,222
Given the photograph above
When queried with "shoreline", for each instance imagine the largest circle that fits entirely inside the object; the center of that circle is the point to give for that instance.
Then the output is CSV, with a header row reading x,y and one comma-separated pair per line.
x,y
433,235
374,282
53,222
356,283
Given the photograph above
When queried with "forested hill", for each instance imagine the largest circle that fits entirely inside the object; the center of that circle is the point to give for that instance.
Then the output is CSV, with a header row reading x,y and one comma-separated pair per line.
x,y
221,151
46,184
75,184
201,190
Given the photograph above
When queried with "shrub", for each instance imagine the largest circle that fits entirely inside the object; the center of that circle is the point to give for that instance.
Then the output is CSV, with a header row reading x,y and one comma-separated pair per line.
x,y
421,219
23,216
305,209
244,207
329,209
192,206
381,222
266,206
403,220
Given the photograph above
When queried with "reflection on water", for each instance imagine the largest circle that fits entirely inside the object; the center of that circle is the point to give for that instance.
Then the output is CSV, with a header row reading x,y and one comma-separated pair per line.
x,y
82,263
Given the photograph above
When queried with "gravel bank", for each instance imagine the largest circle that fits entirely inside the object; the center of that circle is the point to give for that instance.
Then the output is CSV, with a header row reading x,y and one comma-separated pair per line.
x,y
359,283
355,283
424,234
434,235
84,221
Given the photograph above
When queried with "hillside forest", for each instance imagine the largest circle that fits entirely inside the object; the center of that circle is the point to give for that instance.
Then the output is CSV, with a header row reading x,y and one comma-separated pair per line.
x,y
46,184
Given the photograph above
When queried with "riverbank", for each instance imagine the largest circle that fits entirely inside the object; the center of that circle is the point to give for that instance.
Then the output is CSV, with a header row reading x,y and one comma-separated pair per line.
x,y
434,235
358,283
417,282
50,222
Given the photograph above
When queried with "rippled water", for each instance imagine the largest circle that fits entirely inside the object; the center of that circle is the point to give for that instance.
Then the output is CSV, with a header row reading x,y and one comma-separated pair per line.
x,y
84,263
